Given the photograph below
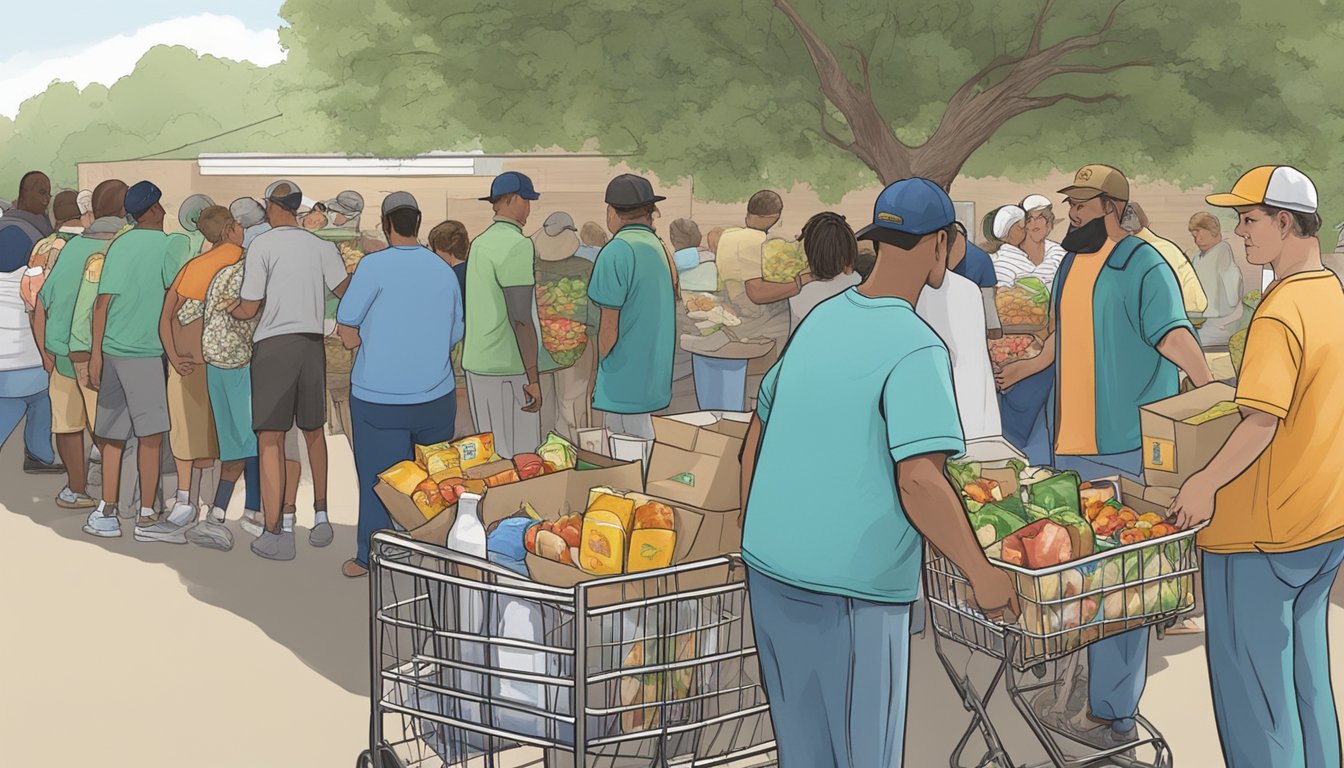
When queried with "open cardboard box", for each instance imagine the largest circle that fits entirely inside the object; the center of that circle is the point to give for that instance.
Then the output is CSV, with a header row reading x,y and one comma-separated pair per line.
x,y
496,503
1174,450
695,459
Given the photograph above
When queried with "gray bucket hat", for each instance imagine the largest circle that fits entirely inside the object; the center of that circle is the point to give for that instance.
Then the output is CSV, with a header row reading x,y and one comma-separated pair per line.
x,y
247,211
190,211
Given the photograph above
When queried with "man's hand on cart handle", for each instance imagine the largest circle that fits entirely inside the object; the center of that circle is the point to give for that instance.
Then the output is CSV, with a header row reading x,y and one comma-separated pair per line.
x,y
996,595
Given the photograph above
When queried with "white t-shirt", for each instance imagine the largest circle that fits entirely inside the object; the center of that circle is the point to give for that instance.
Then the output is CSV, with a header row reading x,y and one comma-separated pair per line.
x,y
292,270
1012,264
956,312
18,350
816,292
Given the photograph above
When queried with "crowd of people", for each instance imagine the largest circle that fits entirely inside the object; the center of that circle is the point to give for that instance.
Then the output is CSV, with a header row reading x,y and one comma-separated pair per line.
x,y
215,338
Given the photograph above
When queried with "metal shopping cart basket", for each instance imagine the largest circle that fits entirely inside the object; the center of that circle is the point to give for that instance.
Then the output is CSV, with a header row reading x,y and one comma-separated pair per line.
x,y
1064,609
473,665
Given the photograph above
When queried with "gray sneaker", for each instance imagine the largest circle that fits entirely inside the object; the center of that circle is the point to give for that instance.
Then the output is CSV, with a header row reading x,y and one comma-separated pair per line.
x,y
274,546
166,532
211,534
68,499
107,527
321,535
252,526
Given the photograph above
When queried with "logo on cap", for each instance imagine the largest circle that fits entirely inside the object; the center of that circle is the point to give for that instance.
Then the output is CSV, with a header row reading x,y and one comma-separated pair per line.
x,y
893,218
1084,174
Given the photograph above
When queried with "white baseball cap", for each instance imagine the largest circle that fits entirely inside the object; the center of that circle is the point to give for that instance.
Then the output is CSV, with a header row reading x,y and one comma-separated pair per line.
x,y
1032,202
1006,217
1278,186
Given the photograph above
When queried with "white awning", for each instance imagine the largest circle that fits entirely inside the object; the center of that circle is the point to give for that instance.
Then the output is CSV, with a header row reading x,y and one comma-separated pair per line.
x,y
434,164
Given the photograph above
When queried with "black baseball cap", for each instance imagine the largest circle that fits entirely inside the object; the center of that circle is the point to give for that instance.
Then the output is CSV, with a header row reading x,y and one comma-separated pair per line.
x,y
631,191
285,194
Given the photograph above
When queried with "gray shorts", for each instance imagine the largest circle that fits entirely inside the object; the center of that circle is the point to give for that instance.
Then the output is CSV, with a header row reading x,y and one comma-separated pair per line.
x,y
289,383
132,398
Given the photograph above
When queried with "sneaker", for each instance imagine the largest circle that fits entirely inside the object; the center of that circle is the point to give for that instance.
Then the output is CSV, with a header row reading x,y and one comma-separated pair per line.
x,y
211,534
274,546
321,535
98,524
166,532
35,466
252,524
183,514
68,499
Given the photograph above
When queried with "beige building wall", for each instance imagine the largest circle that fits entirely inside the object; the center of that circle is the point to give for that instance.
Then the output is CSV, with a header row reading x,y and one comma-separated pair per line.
x,y
575,184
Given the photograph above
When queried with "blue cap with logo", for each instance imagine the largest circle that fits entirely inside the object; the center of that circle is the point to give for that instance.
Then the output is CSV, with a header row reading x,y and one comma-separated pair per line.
x,y
512,183
141,197
907,210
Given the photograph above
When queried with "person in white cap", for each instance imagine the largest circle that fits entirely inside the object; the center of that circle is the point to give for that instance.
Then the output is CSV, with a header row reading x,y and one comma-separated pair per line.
x,y
1035,255
249,213
1275,538
1008,227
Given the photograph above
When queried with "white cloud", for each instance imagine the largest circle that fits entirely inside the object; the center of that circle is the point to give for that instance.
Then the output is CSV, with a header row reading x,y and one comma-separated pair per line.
x,y
109,60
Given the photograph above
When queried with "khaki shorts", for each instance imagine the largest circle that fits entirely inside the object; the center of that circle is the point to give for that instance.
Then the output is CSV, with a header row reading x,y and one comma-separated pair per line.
x,y
72,403
192,435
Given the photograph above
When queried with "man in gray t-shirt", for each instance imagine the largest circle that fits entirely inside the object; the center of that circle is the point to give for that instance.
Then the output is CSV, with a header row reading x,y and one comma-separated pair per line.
x,y
286,275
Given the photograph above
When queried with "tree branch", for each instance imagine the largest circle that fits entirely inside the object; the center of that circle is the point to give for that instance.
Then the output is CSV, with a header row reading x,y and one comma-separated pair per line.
x,y
863,64
1083,42
1034,47
1041,102
966,89
1082,69
826,132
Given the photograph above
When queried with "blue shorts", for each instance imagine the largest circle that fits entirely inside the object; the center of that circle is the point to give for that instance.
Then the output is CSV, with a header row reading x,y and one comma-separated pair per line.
x,y
231,401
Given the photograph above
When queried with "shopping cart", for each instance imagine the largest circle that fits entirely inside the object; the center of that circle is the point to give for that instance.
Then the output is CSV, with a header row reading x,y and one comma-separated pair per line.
x,y
1064,609
473,665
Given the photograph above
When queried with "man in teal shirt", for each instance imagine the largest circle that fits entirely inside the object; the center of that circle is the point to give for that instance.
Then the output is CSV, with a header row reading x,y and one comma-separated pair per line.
x,y
862,397
126,366
633,285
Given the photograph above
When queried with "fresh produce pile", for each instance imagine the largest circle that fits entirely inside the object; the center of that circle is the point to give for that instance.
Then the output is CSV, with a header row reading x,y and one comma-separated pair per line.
x,y
710,314
782,260
562,308
1025,305
1112,520
617,533
1012,348
1236,348
351,253
1252,300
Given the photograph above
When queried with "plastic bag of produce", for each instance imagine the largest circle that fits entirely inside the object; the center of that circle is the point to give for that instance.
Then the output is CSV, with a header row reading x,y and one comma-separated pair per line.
x,y
1025,305
782,260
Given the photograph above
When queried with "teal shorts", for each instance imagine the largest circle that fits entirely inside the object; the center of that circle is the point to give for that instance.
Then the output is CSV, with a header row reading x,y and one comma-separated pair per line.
x,y
231,401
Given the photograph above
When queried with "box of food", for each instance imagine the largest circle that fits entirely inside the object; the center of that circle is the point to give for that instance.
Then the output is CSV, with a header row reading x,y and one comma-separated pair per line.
x,y
996,459
1182,433
500,501
1013,347
1220,365
1024,307
694,460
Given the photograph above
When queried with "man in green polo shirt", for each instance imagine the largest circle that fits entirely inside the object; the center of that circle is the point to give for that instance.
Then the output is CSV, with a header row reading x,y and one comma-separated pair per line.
x,y
633,285
500,352
1120,336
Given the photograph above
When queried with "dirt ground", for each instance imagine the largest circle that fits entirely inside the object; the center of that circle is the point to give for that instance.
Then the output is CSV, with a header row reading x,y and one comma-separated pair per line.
x,y
117,653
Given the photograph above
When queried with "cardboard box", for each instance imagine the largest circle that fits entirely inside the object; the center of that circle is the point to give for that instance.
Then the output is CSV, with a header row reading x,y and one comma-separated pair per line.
x,y
1174,450
503,501
695,459
994,455
596,440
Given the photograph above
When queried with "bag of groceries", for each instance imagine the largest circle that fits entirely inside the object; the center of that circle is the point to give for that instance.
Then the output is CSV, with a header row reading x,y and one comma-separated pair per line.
x,y
782,260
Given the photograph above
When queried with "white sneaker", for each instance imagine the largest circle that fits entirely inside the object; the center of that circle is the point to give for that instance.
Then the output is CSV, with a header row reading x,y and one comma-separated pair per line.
x,y
211,534
68,499
100,525
183,514
252,524
165,532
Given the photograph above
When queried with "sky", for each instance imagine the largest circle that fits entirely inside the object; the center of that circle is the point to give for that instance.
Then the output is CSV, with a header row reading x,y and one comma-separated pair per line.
x,y
110,37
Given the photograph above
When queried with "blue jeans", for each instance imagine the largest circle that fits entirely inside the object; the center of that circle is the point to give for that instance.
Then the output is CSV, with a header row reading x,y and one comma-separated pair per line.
x,y
383,436
1269,656
836,672
24,392
1117,666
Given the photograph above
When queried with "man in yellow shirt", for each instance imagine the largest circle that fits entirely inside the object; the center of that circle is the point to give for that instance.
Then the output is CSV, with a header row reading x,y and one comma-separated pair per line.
x,y
1192,293
1273,496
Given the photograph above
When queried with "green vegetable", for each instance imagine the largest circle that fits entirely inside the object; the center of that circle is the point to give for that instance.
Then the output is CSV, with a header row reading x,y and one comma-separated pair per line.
x,y
963,473
1037,512
1035,290
1060,491
999,522
1170,598
972,505
1011,509
1018,467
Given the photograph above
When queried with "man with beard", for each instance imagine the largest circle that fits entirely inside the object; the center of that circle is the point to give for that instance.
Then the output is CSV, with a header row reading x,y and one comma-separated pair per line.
x,y
1121,337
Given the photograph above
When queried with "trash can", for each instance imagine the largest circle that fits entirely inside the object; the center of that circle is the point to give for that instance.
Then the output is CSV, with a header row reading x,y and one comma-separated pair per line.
x,y
720,383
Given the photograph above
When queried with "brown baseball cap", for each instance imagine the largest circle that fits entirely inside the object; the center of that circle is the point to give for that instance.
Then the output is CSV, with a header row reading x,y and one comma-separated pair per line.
x,y
65,206
1096,179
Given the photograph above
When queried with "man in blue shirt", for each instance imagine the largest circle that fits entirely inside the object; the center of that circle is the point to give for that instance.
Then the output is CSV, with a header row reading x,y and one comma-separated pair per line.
x,y
403,311
864,392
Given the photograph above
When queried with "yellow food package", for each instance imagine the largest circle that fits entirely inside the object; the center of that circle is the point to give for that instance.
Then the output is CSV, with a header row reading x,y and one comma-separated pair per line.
x,y
1225,408
429,505
404,477
621,508
650,549
602,545
439,459
476,450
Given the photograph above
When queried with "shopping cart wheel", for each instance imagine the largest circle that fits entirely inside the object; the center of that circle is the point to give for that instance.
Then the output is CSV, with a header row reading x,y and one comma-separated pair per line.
x,y
1039,671
386,759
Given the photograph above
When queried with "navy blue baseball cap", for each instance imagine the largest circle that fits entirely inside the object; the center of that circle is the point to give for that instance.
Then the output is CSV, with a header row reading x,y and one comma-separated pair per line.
x,y
141,197
906,211
512,183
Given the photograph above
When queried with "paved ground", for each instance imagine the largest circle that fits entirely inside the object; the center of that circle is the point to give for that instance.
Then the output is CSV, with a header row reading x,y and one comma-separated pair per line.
x,y
115,653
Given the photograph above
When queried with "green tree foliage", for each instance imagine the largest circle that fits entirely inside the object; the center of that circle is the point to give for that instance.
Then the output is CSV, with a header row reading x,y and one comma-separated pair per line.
x,y
173,99
836,92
